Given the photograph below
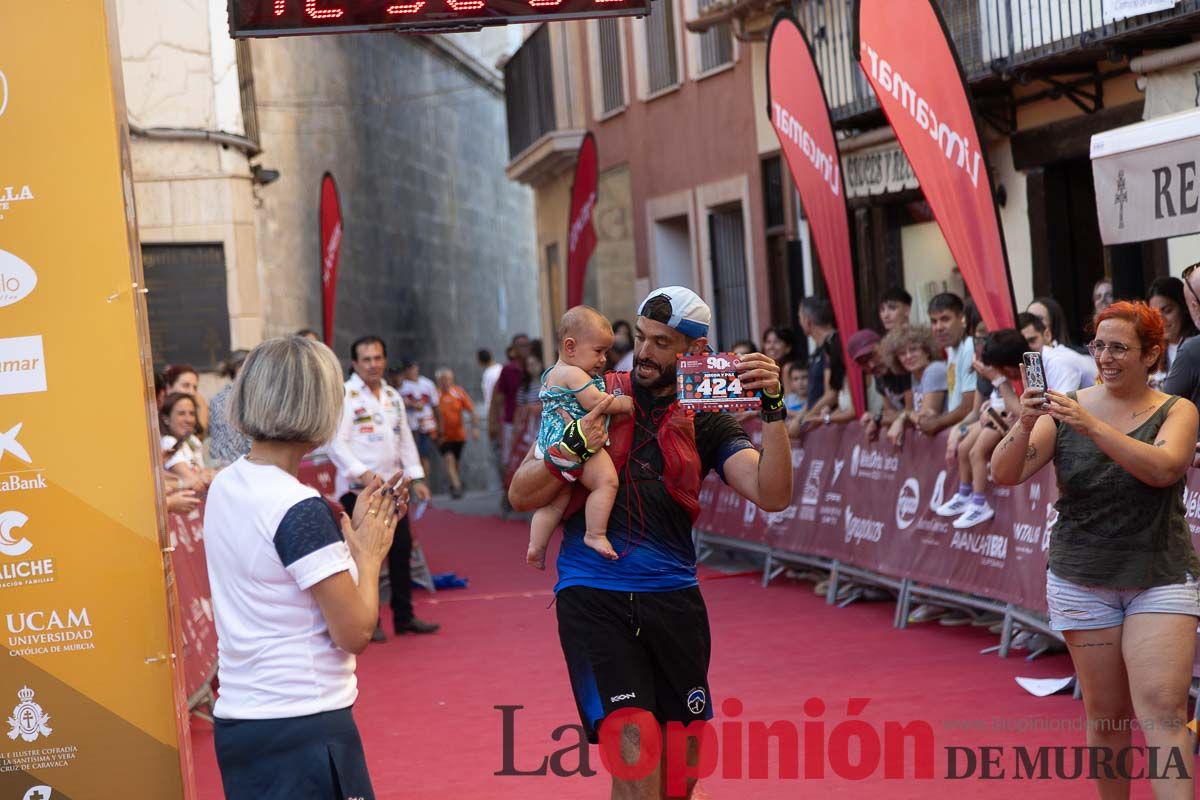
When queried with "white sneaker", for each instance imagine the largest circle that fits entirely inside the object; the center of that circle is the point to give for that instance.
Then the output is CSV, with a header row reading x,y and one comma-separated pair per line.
x,y
954,507
974,516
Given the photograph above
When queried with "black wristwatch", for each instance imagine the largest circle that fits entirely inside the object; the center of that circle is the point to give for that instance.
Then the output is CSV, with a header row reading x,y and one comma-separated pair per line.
x,y
773,409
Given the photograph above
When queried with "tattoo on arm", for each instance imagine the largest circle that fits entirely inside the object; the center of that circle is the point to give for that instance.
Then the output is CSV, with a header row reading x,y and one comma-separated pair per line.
x,y
1160,443
1094,644
1031,453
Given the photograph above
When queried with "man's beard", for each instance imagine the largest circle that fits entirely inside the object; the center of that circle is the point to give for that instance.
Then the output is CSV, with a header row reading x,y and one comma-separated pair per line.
x,y
663,379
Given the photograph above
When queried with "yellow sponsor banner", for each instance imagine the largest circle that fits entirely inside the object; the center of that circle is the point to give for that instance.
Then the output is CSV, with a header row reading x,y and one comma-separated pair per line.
x,y
89,697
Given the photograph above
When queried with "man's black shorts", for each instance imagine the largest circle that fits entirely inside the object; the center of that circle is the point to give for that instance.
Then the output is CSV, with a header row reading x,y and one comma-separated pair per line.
x,y
647,650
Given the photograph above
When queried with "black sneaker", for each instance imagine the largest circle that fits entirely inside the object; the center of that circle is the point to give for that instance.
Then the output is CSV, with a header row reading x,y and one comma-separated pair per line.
x,y
415,625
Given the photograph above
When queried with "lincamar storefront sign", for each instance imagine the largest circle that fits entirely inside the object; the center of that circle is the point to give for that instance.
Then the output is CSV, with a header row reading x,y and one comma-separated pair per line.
x,y
1148,179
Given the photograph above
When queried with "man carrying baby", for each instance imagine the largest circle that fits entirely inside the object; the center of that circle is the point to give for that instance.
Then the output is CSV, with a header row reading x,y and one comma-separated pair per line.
x,y
634,630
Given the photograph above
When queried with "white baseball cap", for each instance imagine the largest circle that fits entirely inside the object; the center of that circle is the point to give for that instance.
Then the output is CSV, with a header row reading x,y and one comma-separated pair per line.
x,y
690,315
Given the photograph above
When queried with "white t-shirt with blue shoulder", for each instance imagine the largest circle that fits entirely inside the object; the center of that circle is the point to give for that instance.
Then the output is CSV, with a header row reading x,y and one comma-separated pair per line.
x,y
269,539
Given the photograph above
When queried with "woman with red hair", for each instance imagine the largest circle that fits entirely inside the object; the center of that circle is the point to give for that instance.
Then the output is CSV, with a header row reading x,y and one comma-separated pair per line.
x,y
1122,579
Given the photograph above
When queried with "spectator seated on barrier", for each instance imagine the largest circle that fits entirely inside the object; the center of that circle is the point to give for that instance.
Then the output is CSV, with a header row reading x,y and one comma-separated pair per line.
x,y
1051,313
947,316
184,379
182,453
1184,377
827,387
1066,370
1166,296
795,384
895,306
912,349
178,497
1000,367
890,391
226,444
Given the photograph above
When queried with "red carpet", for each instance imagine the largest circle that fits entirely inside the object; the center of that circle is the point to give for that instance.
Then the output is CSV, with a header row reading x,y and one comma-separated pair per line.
x,y
431,730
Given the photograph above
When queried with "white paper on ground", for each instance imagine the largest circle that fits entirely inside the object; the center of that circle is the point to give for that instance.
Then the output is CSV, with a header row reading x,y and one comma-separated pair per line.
x,y
1044,687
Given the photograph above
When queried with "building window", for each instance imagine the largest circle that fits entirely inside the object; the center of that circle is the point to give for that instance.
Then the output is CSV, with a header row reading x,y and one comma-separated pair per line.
x,y
730,291
662,58
716,43
612,65
529,93
188,303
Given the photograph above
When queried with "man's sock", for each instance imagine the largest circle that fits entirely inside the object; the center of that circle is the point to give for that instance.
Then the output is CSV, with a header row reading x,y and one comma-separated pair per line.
x,y
964,489
978,499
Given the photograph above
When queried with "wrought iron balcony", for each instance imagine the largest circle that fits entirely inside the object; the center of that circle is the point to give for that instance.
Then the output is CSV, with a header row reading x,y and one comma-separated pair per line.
x,y
543,132
997,41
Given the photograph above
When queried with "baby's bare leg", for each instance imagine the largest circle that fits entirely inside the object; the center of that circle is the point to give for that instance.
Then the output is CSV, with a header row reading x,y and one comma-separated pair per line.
x,y
600,479
545,521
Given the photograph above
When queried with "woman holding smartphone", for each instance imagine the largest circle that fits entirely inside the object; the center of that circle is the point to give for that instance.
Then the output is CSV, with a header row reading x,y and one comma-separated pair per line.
x,y
1122,580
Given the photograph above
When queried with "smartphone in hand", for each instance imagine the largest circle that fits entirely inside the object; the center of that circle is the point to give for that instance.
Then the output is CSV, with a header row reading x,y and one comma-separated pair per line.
x,y
1035,374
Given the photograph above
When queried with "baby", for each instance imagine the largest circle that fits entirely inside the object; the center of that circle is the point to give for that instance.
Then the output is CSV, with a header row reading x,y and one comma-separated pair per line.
x,y
570,389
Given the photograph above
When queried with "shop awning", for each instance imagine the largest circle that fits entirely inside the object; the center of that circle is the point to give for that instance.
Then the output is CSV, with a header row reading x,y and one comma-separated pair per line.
x,y
1148,179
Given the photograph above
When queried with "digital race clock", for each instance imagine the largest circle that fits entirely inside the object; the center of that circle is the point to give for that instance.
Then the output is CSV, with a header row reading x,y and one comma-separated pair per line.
x,y
249,18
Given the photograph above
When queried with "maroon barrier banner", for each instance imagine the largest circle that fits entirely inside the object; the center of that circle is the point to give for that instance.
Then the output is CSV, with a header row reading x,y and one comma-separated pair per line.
x,y
331,249
871,506
581,234
199,633
910,62
799,112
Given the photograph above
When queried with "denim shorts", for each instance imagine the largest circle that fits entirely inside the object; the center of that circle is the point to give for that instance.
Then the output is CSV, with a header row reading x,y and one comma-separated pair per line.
x,y
1080,608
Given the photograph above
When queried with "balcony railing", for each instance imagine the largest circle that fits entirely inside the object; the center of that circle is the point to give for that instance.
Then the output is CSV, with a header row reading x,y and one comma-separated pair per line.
x,y
993,38
529,93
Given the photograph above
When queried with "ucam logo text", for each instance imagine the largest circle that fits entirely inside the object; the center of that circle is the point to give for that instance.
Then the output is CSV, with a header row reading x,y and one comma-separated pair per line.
x,y
35,633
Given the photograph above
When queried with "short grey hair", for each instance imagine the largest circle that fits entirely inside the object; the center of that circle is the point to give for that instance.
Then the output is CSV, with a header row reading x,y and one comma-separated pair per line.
x,y
289,390
443,372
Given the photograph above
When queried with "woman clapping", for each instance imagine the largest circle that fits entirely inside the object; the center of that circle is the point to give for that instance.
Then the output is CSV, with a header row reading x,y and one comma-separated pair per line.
x,y
295,591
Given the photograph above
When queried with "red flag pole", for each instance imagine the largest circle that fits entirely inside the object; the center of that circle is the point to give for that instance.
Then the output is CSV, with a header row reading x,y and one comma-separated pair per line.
x,y
907,55
799,113
331,248
581,234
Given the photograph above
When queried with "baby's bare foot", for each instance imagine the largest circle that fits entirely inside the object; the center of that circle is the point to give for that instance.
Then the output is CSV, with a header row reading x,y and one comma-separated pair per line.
x,y
536,557
599,543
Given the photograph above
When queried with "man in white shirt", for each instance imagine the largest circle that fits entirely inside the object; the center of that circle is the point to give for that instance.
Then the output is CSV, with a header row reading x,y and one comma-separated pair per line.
x,y
491,374
1066,370
420,402
374,439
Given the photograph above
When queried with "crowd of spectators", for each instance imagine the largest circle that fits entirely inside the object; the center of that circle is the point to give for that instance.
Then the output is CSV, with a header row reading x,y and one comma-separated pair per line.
x,y
954,374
